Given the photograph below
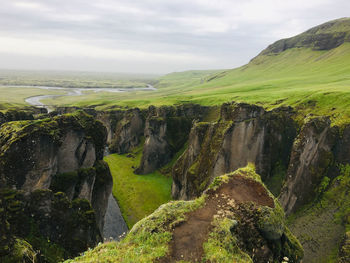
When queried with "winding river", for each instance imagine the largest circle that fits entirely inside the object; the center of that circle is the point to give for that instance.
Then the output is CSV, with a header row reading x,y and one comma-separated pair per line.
x,y
36,100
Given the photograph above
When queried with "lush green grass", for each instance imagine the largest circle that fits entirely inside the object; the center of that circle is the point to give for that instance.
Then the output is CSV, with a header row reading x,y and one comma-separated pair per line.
x,y
137,195
312,81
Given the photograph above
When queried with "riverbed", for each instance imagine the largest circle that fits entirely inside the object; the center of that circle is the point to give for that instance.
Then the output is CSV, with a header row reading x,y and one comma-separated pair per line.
x,y
37,100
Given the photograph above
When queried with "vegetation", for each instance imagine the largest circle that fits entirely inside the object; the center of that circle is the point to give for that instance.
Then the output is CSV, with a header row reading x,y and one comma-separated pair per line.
x,y
222,245
148,239
312,81
137,195
323,224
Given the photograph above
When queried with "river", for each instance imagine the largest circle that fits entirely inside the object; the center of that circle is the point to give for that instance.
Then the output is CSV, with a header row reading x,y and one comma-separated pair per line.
x,y
115,227
36,100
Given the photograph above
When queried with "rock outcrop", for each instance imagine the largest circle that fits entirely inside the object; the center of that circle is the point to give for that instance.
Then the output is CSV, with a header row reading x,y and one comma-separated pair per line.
x,y
55,226
166,131
245,133
55,167
323,37
15,115
129,126
311,157
33,151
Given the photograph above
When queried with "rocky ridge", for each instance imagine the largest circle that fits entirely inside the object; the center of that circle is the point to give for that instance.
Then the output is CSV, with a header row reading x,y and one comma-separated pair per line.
x,y
52,169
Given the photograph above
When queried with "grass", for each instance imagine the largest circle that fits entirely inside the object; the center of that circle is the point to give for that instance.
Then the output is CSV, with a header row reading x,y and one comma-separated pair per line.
x,y
13,97
315,82
147,240
137,195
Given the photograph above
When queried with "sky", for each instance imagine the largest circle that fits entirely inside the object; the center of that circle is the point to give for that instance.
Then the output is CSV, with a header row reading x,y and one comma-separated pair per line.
x,y
150,36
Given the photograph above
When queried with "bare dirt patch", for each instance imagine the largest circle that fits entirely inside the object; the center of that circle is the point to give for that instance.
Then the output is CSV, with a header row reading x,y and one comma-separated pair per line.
x,y
189,236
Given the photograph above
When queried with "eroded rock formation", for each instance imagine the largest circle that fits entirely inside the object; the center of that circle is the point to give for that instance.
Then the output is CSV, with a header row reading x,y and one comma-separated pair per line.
x,y
311,157
166,131
244,133
54,166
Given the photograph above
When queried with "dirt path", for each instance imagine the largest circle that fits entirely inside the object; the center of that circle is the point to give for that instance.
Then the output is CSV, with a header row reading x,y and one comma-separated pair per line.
x,y
189,236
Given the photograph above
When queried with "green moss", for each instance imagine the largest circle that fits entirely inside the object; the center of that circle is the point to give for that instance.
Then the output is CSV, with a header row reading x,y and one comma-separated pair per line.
x,y
222,246
272,222
147,240
62,182
275,182
22,252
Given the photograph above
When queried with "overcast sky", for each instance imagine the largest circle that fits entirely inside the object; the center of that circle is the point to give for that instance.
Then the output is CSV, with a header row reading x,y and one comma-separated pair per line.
x,y
150,36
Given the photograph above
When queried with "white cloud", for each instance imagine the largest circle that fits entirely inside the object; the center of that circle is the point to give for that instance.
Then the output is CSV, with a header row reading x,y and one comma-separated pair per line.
x,y
74,48
178,34
34,6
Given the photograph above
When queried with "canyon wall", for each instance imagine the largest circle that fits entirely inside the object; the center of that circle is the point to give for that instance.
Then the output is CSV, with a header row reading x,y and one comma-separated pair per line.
x,y
53,167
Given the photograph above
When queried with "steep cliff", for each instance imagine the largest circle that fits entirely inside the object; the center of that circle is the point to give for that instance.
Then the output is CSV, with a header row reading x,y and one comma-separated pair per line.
x,y
129,126
56,168
54,227
245,133
166,131
33,151
16,115
311,157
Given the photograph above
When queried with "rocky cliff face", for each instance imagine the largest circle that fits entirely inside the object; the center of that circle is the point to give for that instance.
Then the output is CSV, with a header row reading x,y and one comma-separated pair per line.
x,y
312,155
55,164
166,131
16,115
245,133
32,152
54,227
129,126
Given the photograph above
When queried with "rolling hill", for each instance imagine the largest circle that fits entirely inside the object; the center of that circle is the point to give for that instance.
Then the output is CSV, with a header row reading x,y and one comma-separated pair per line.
x,y
310,72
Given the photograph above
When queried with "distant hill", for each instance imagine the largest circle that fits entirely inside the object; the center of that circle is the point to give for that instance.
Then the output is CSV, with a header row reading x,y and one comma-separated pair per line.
x,y
323,37
310,72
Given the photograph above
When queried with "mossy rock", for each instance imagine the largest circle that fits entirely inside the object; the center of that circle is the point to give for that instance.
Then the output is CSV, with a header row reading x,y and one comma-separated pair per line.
x,y
235,237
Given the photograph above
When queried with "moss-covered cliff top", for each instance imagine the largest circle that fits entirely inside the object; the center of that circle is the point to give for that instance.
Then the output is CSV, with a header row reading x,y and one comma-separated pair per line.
x,y
54,128
236,220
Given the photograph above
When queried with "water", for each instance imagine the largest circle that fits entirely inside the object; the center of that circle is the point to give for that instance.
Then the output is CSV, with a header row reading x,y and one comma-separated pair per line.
x,y
115,227
36,100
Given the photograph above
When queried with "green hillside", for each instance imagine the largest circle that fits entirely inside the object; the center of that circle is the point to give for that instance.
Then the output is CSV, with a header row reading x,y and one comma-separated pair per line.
x,y
310,72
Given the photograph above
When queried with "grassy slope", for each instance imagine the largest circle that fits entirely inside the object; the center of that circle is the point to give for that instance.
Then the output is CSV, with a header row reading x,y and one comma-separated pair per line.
x,y
137,195
313,81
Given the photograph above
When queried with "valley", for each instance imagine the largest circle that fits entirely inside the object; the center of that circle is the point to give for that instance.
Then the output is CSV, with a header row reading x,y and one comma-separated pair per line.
x,y
237,165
